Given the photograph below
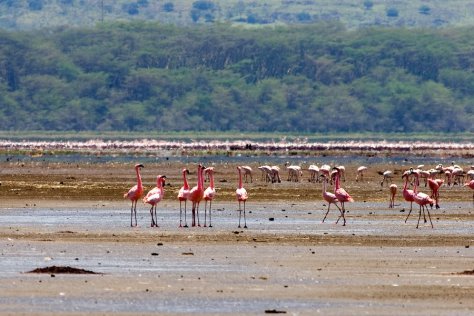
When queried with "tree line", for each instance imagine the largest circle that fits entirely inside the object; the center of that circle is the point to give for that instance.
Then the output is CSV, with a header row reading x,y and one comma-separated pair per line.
x,y
139,76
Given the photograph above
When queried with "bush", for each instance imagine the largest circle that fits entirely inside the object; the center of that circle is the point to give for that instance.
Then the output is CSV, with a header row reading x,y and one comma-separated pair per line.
x,y
168,7
424,9
392,12
35,5
368,4
203,5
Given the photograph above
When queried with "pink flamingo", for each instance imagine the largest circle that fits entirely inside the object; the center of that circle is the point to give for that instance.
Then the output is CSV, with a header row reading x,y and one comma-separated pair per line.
x,y
470,184
341,195
209,194
408,195
328,197
183,195
242,196
196,194
393,192
153,197
134,194
422,199
434,185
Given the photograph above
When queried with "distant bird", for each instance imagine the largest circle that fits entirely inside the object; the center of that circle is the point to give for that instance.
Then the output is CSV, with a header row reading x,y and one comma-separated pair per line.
x,y
393,192
266,173
341,195
275,174
134,194
209,194
313,173
329,197
360,173
387,176
196,194
470,184
183,195
247,170
342,172
242,196
154,196
294,172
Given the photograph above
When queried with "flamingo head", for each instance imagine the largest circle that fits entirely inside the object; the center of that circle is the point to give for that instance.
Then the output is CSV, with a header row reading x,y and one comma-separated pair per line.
x,y
139,165
209,170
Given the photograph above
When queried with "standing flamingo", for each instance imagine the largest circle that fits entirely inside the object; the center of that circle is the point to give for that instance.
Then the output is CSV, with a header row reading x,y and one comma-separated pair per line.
x,y
183,195
470,184
154,196
196,194
393,191
341,195
134,194
435,185
408,195
242,196
360,173
209,194
329,197
422,199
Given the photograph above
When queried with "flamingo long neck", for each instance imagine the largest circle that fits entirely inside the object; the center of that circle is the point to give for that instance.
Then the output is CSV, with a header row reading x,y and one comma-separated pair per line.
x,y
200,183
211,176
240,178
337,185
415,185
139,178
186,185
324,185
405,187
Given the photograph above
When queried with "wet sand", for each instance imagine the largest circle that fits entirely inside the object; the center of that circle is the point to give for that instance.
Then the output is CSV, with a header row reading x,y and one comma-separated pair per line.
x,y
286,261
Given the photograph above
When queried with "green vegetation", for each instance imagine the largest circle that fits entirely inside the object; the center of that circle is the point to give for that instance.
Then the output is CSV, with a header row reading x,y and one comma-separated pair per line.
x,y
318,78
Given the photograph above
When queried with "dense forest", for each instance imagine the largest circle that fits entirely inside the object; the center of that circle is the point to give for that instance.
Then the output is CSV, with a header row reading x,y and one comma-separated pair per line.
x,y
139,76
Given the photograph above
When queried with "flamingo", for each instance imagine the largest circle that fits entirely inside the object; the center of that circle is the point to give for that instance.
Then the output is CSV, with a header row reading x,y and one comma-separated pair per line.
x,y
408,195
393,191
434,185
266,172
328,197
154,196
387,176
360,173
183,195
242,196
341,195
247,172
196,194
134,194
275,174
470,184
342,172
209,194
313,173
422,199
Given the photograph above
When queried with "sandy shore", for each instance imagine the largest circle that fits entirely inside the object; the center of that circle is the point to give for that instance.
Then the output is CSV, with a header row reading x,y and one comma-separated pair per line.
x,y
287,261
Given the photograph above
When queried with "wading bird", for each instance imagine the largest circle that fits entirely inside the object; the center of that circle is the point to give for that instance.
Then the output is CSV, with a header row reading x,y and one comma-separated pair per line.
x,y
154,196
341,195
134,194
242,196
393,191
470,184
408,195
422,199
209,194
329,197
196,194
183,195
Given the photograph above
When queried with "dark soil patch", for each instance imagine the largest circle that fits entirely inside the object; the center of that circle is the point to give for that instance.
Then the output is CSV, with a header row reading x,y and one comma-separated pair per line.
x,y
62,270
466,272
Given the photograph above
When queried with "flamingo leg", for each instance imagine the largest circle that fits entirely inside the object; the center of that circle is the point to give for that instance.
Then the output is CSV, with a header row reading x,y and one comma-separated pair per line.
x,y
245,220
411,208
152,218
326,213
419,217
180,214
210,205
131,215
197,214
240,214
156,217
185,221
429,216
193,224
205,213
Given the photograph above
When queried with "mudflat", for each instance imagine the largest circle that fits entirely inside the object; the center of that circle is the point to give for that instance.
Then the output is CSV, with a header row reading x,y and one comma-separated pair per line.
x,y
57,214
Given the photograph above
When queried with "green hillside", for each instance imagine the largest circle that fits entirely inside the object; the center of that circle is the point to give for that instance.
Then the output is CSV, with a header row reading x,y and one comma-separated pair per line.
x,y
315,78
35,14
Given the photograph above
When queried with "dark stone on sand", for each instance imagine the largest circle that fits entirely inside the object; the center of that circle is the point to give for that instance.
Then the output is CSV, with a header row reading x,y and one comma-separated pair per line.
x,y
62,270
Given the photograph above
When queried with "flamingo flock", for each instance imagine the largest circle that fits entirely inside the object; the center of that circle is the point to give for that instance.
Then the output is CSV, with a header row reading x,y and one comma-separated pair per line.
x,y
325,174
